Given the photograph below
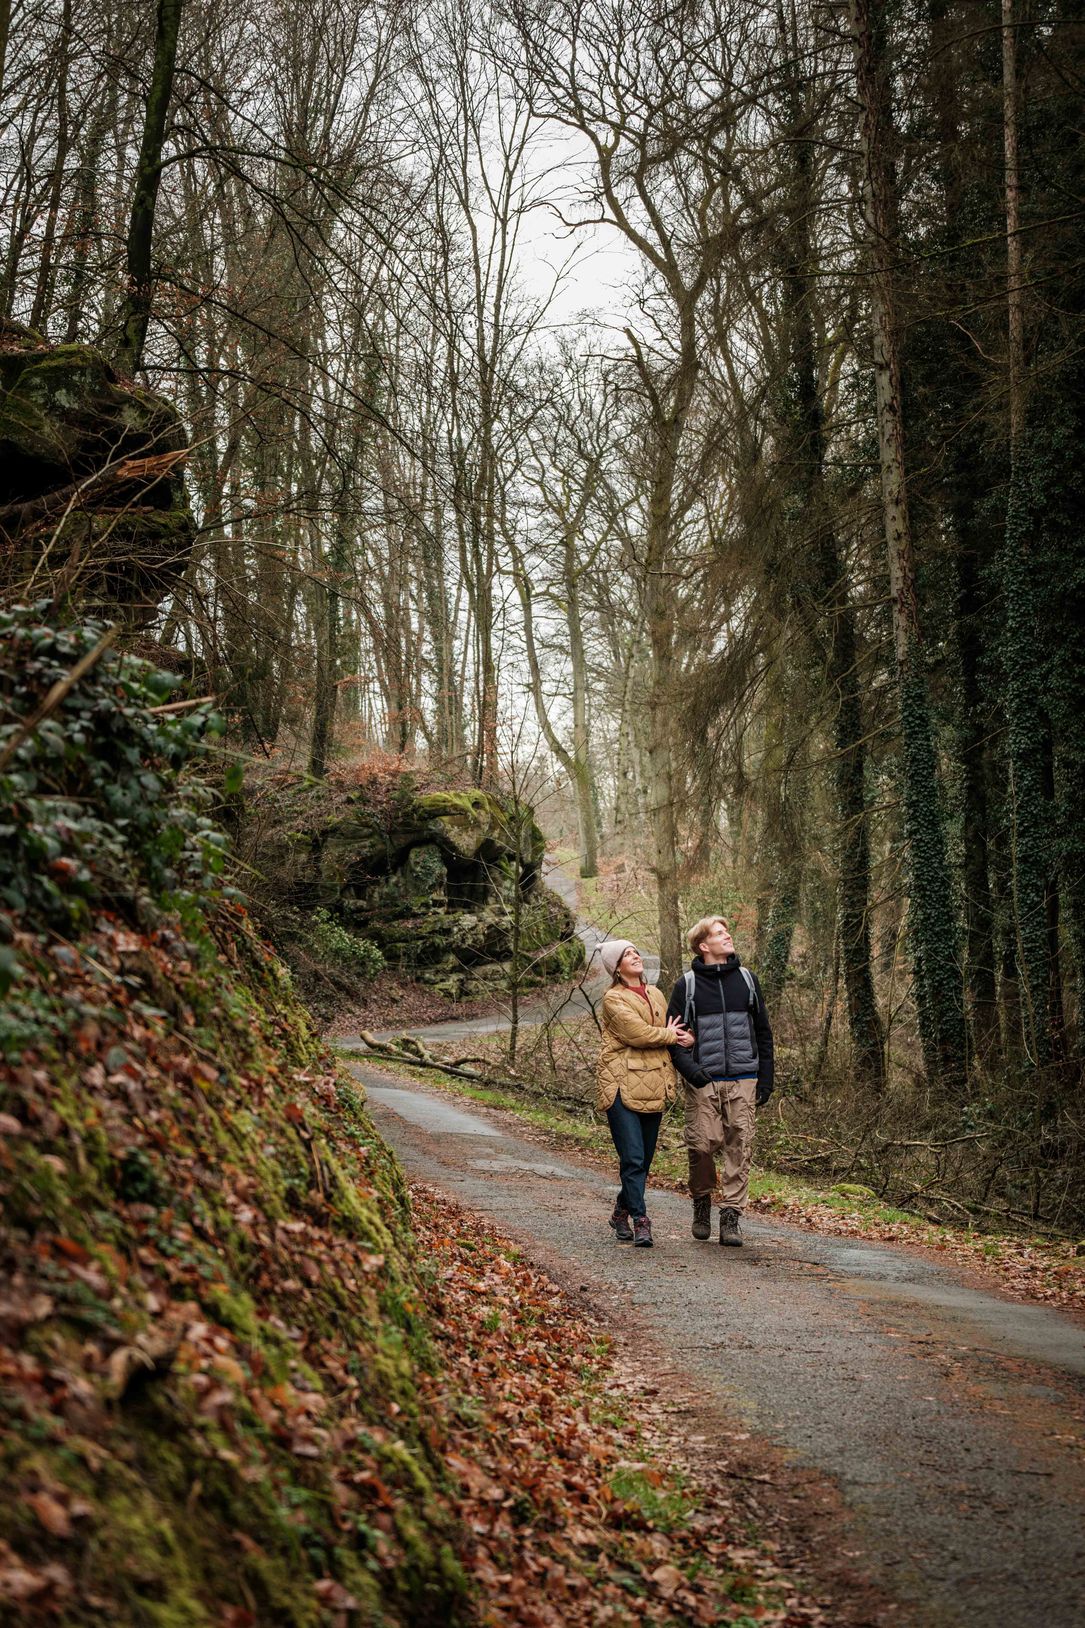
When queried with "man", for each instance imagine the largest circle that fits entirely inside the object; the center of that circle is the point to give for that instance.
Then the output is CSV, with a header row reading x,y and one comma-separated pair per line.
x,y
727,1072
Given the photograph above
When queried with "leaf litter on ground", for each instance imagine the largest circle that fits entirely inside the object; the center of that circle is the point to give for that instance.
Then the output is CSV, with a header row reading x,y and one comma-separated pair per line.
x,y
569,1517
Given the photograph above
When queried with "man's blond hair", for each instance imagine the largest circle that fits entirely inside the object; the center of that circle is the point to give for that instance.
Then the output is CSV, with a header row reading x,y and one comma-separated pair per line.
x,y
700,931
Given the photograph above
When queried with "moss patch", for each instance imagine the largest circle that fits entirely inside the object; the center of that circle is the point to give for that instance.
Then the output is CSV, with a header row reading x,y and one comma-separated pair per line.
x,y
211,1331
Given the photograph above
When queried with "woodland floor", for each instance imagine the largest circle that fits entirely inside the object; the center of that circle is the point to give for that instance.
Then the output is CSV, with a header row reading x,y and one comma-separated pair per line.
x,y
908,1435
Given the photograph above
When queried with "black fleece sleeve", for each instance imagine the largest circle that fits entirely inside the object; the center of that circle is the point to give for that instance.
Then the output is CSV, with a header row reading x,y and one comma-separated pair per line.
x,y
762,1029
684,1058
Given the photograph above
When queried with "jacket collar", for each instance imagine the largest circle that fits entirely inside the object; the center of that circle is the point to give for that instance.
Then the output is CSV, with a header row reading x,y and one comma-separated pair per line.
x,y
718,969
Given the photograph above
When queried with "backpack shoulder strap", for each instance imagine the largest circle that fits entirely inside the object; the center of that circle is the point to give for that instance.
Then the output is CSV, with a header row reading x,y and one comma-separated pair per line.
x,y
689,1016
751,986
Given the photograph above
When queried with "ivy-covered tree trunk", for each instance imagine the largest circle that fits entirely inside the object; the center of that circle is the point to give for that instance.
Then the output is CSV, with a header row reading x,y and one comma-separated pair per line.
x,y
783,842
932,925
853,849
825,602
326,640
947,361
1026,730
975,809
1025,760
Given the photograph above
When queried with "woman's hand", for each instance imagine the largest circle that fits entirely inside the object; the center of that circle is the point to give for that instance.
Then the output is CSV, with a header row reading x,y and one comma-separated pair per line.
x,y
679,1034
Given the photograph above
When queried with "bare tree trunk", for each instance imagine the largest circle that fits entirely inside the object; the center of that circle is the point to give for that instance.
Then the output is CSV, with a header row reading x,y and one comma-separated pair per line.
x,y
39,314
136,310
585,784
5,31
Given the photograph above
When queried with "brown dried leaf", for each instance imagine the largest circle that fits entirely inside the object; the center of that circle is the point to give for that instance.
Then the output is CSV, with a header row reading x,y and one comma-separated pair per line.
x,y
51,1513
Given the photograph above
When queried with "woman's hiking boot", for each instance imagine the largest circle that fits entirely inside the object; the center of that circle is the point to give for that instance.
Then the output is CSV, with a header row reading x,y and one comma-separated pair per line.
x,y
642,1232
620,1222
729,1228
702,1216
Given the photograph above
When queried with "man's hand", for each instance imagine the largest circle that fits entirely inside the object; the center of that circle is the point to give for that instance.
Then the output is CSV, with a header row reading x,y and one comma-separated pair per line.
x,y
764,1092
679,1034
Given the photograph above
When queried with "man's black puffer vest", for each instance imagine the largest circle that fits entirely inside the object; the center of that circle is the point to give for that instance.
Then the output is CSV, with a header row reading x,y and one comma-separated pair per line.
x,y
733,1041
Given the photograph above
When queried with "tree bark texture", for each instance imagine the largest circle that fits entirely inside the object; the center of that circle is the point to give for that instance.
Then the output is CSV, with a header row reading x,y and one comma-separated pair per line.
x,y
136,310
931,911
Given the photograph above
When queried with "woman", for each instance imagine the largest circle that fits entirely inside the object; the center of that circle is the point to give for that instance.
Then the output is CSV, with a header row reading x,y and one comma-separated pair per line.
x,y
635,1079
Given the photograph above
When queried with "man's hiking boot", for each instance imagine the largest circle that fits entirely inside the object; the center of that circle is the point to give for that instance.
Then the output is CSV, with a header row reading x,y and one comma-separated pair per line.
x,y
729,1228
702,1216
642,1232
620,1222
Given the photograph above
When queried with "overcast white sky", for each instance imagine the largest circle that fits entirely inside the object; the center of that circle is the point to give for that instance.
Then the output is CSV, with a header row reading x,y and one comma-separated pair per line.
x,y
601,266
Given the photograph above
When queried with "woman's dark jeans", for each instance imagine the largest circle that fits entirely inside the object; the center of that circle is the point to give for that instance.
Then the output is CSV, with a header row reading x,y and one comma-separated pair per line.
x,y
635,1139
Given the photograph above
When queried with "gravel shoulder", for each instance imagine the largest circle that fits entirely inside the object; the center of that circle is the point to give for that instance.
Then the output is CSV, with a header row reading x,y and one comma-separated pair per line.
x,y
921,1436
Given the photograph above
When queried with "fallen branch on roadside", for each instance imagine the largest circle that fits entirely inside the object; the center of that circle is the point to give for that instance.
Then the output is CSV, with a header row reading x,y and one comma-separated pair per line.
x,y
409,1050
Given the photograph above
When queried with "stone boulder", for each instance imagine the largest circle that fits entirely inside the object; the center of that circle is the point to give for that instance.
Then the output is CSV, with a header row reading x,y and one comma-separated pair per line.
x,y
448,884
92,495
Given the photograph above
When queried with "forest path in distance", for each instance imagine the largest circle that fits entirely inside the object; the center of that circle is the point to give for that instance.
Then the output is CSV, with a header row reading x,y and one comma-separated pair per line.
x,y
945,1422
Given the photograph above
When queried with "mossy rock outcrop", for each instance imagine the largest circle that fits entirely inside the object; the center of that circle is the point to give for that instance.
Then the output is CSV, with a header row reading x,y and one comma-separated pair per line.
x,y
91,487
447,883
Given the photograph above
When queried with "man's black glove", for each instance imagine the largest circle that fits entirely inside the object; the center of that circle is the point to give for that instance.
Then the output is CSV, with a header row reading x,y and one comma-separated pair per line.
x,y
764,1092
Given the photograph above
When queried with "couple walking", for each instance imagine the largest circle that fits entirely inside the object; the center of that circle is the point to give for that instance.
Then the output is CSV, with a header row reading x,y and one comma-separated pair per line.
x,y
716,1032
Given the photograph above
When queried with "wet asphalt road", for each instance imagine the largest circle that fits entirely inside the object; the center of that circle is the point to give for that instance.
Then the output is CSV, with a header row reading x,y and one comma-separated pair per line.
x,y
949,1418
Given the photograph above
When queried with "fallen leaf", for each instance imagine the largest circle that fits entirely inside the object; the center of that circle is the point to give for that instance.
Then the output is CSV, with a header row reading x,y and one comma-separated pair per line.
x,y
51,1513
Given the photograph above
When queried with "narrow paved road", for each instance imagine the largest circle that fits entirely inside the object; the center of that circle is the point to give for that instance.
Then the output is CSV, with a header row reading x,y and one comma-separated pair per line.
x,y
950,1419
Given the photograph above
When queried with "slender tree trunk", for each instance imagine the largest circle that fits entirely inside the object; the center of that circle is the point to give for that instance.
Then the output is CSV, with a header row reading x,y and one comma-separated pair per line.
x,y
136,310
5,31
975,809
326,687
1026,729
81,234
932,929
47,271
661,703
582,764
326,631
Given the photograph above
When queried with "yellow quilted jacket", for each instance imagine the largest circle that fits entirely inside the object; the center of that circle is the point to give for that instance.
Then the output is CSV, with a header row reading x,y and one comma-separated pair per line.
x,y
634,1058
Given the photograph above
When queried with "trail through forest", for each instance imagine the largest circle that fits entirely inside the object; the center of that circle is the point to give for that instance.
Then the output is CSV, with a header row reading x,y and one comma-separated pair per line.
x,y
947,1418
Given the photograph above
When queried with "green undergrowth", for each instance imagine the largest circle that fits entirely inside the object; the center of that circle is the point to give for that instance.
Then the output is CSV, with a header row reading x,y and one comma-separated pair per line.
x,y
212,1332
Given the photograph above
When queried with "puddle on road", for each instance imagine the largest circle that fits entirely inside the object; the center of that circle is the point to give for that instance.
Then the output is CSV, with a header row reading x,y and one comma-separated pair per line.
x,y
504,1163
867,1261
430,1112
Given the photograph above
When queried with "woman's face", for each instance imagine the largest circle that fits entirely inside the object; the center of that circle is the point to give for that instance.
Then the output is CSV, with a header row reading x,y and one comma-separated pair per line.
x,y
631,967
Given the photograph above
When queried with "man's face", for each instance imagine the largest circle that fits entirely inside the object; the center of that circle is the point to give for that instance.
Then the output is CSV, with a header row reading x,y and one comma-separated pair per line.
x,y
718,944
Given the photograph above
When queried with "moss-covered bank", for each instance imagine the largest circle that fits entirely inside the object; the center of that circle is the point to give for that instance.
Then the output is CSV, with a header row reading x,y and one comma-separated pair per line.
x,y
211,1331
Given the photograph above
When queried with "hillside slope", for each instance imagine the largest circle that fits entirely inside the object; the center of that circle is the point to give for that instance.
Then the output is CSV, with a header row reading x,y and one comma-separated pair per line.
x,y
210,1326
